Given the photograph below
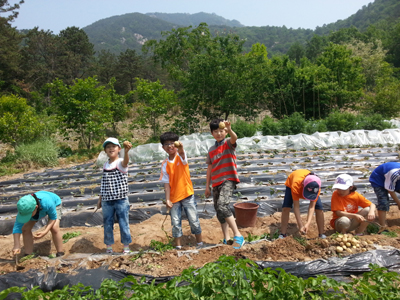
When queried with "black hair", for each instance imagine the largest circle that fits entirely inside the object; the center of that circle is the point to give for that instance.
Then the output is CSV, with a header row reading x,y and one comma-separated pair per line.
x,y
36,216
214,124
353,189
168,136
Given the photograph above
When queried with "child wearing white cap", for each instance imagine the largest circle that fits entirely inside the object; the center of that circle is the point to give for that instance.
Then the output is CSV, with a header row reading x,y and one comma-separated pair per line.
x,y
344,205
114,194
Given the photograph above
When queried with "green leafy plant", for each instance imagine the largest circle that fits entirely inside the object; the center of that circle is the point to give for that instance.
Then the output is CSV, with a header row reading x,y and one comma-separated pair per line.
x,y
372,228
27,257
69,235
160,246
390,233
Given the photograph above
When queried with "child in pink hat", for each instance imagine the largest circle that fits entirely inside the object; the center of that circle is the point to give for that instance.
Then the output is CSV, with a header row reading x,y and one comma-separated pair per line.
x,y
302,184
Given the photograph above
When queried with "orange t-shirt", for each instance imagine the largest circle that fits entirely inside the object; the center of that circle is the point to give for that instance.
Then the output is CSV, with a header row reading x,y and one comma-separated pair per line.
x,y
349,203
176,173
295,183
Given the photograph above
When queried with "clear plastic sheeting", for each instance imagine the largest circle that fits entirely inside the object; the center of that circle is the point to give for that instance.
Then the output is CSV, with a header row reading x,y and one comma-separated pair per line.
x,y
198,144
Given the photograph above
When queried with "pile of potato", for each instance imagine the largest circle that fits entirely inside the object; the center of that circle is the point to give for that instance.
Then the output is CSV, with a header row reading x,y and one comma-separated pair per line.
x,y
348,243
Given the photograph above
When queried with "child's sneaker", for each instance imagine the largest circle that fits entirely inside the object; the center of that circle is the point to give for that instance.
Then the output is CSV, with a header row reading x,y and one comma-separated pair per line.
x,y
282,236
127,251
238,240
227,242
178,247
322,236
109,250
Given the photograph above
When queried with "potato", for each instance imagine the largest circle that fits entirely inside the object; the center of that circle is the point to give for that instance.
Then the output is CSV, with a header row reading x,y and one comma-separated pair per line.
x,y
339,249
338,239
177,144
344,247
345,239
370,242
340,236
221,125
354,247
348,244
363,249
349,236
341,244
349,250
126,143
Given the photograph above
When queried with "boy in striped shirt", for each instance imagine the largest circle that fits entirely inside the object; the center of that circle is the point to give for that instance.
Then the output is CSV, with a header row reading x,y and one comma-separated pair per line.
x,y
222,173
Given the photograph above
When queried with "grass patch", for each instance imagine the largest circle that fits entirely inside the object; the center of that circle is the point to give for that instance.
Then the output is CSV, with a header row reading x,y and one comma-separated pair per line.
x,y
390,233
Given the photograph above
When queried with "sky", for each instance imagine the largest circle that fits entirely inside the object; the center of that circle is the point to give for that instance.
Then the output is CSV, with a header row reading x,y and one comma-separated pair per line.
x,y
56,15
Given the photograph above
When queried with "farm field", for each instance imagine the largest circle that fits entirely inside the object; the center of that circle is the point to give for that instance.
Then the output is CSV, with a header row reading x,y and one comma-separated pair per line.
x,y
262,175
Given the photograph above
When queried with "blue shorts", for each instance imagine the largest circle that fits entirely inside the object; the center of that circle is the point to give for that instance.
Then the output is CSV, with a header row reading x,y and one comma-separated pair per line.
x,y
383,198
288,200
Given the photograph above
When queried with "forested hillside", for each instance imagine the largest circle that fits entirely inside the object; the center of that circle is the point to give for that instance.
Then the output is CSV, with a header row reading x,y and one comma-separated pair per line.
x,y
195,19
143,82
128,31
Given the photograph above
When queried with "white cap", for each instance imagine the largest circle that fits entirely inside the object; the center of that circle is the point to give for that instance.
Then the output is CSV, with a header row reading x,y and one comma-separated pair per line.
x,y
343,182
112,141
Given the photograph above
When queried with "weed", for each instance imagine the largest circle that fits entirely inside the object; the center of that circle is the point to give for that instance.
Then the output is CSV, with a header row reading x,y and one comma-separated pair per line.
x,y
390,233
160,246
69,235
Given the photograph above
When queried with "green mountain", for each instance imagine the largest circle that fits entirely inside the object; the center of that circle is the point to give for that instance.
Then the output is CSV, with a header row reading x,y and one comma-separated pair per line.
x,y
182,19
119,33
371,14
128,31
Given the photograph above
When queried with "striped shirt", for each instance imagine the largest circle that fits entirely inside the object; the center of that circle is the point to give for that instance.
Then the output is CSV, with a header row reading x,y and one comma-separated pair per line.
x,y
222,157
386,176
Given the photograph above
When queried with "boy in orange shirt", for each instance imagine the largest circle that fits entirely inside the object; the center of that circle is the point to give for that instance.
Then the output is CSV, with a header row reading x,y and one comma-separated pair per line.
x,y
344,205
178,188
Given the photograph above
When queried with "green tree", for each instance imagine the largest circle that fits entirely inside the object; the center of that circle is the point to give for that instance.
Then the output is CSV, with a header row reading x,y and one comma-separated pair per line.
x,y
154,102
83,108
296,52
105,66
77,53
18,121
9,46
129,66
41,54
340,78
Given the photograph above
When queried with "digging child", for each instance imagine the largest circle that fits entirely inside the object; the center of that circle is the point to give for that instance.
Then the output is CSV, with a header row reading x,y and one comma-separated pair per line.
x,y
31,208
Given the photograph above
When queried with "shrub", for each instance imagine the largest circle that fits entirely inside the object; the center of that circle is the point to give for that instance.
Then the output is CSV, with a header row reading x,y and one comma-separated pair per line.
x,y
244,129
42,153
314,126
373,122
18,121
269,126
341,121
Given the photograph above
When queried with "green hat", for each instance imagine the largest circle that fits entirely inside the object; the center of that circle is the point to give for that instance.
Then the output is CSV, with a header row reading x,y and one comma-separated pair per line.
x,y
26,205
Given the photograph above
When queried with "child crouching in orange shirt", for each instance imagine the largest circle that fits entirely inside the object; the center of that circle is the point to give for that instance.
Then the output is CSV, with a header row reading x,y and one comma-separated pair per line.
x,y
344,205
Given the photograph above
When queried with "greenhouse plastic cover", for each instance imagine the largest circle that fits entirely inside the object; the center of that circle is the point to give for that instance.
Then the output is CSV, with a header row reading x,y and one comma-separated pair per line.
x,y
198,144
337,268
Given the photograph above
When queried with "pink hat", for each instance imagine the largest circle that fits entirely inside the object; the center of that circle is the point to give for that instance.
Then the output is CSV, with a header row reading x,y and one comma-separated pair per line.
x,y
312,186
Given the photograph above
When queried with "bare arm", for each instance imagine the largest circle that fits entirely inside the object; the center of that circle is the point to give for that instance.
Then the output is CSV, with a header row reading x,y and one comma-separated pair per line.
x,y
310,214
349,215
232,134
41,234
17,243
395,198
181,152
127,147
296,210
167,190
208,181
